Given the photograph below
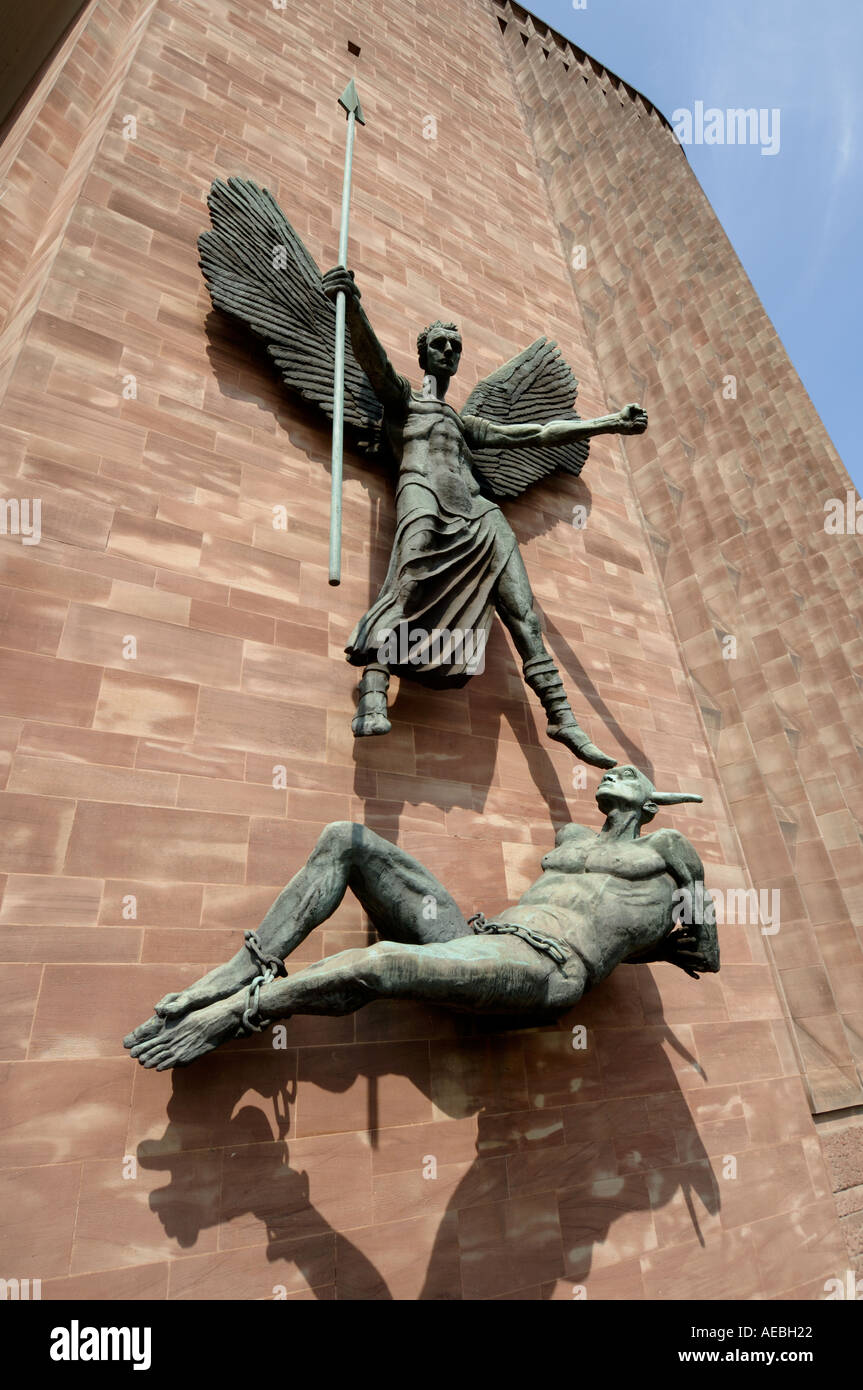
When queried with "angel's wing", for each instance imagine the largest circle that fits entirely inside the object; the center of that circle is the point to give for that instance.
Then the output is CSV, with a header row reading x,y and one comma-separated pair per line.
x,y
258,270
537,385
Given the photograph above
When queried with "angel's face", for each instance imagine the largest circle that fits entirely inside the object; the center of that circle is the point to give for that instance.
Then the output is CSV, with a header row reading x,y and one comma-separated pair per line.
x,y
443,353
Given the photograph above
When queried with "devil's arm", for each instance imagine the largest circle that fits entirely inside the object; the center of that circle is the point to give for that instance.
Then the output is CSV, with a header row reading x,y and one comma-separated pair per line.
x,y
697,917
694,945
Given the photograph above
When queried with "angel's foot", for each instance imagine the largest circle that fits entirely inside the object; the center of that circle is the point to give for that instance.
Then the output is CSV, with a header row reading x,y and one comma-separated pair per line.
x,y
573,737
543,676
371,715
191,1037
365,725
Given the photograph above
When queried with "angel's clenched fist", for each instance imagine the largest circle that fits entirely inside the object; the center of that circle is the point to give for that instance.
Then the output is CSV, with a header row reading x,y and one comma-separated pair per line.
x,y
633,420
339,280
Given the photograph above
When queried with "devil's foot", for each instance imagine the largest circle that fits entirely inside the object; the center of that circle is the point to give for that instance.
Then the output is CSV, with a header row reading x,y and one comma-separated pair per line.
x,y
146,1030
172,1007
575,739
190,1037
218,984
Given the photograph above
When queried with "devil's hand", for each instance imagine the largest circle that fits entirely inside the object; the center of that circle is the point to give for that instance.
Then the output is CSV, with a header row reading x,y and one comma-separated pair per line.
x,y
682,949
340,281
633,420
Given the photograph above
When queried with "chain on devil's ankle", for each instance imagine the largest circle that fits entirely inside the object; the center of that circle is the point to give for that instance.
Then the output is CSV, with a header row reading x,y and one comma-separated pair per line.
x,y
271,967
251,1021
274,964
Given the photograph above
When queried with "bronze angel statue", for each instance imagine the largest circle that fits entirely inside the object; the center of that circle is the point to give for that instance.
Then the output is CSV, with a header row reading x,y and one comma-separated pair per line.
x,y
455,559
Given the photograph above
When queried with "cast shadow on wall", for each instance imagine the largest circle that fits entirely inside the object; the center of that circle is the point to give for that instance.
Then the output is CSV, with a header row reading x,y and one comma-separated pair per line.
x,y
578,1168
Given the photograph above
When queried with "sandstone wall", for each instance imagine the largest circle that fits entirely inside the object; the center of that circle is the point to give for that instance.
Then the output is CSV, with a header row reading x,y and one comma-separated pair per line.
x,y
147,783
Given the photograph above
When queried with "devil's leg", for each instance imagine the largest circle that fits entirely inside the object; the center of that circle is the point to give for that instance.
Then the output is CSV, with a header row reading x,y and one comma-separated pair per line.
x,y
405,902
499,974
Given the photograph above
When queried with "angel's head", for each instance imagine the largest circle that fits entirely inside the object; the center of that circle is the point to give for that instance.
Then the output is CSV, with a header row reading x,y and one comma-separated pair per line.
x,y
439,349
627,787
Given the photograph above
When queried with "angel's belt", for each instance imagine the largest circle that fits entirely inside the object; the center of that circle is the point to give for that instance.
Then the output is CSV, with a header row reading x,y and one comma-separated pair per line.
x,y
561,952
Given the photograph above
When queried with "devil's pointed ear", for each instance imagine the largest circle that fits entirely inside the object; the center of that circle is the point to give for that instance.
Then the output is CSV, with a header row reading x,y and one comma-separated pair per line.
x,y
649,808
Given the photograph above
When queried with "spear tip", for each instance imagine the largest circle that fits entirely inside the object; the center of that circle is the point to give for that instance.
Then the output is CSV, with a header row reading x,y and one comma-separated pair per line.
x,y
350,100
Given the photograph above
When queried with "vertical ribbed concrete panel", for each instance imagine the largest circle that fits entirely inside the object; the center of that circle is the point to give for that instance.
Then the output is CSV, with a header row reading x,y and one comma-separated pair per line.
x,y
732,485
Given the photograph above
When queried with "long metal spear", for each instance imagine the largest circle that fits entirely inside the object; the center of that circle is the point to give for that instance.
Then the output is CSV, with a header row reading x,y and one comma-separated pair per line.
x,y
351,103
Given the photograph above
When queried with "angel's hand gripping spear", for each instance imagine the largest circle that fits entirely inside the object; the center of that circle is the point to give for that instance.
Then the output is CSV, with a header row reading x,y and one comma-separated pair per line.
x,y
455,559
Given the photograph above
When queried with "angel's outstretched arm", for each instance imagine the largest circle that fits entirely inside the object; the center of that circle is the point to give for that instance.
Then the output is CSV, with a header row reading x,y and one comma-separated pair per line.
x,y
388,386
487,434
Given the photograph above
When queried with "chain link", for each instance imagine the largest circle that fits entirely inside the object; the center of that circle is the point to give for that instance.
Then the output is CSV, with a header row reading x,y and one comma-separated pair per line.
x,y
271,967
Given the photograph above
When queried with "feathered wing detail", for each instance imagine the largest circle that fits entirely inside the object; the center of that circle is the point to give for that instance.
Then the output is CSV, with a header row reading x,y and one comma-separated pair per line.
x,y
258,270
537,385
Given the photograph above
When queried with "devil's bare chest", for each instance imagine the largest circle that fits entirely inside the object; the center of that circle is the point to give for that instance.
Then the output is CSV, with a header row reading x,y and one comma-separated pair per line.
x,y
630,859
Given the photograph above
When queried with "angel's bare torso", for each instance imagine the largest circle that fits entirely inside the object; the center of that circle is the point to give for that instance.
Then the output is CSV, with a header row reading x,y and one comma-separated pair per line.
x,y
429,440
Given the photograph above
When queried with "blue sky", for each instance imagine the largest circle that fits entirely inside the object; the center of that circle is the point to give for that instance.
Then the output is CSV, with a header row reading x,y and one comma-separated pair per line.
x,y
794,218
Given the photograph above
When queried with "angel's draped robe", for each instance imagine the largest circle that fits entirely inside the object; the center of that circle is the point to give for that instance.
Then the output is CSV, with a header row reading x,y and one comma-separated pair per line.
x,y
451,546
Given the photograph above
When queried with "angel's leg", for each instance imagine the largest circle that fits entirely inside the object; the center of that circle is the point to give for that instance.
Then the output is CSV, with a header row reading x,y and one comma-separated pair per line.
x,y
371,715
514,603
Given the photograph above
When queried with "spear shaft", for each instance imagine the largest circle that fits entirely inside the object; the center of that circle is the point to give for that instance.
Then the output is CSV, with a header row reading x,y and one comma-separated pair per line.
x,y
351,103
